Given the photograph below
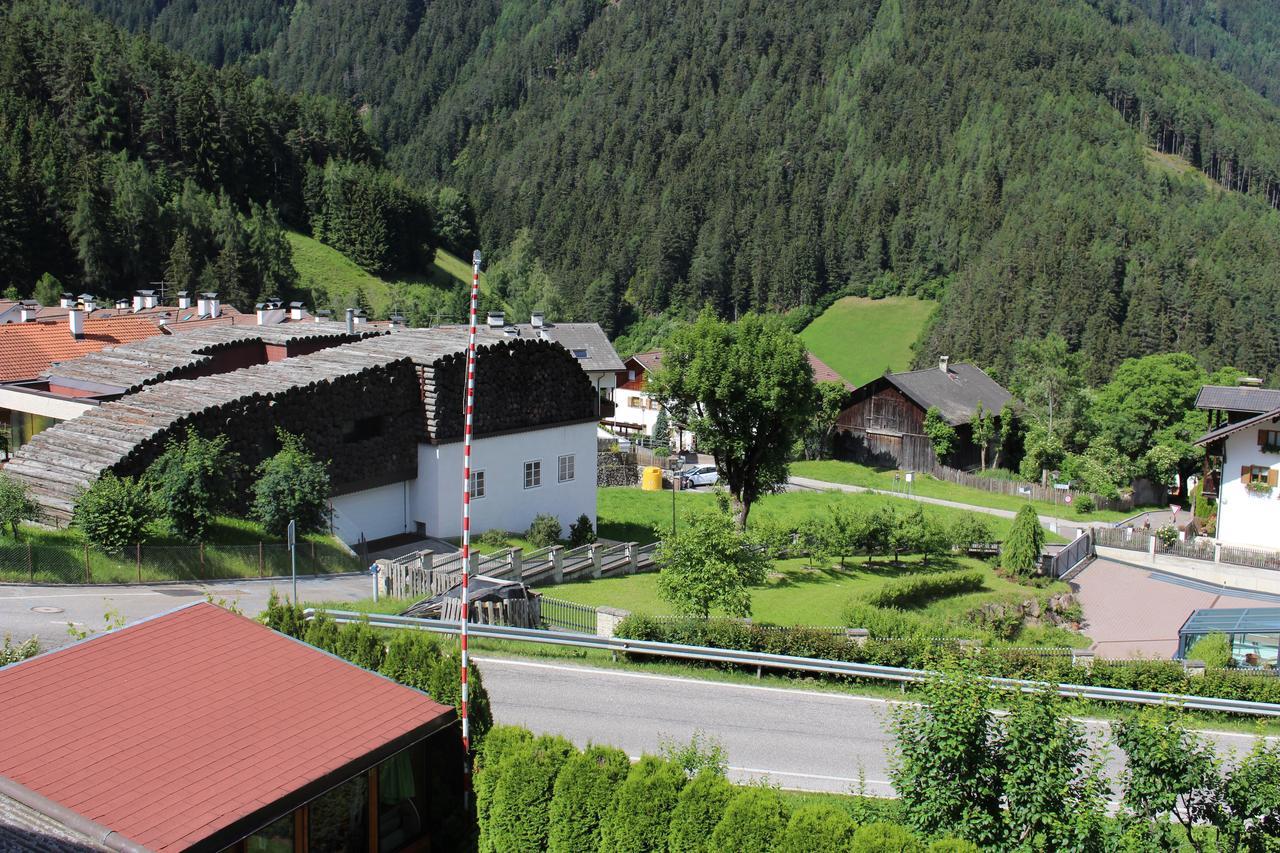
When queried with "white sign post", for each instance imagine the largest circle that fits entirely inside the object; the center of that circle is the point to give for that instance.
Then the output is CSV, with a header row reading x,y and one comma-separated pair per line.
x,y
293,557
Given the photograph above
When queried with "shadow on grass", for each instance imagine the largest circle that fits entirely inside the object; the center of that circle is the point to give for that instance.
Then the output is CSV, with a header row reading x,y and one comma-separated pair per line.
x,y
627,531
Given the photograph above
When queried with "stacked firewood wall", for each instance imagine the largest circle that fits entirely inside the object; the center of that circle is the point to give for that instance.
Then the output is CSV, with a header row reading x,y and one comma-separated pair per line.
x,y
519,384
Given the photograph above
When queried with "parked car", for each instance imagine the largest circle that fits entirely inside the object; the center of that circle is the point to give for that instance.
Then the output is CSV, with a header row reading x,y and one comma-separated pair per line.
x,y
699,475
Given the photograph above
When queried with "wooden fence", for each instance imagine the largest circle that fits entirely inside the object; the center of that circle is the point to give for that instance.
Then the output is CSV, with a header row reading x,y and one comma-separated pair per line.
x,y
425,574
1031,491
516,613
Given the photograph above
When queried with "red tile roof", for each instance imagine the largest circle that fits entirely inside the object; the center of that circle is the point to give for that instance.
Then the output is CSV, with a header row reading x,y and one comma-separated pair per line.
x,y
823,373
27,349
176,727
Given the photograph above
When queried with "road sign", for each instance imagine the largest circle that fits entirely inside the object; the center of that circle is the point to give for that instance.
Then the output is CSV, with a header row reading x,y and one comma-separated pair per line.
x,y
1062,487
293,534
1067,499
293,557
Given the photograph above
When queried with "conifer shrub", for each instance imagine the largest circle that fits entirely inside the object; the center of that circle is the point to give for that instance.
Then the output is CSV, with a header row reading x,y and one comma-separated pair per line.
x,y
885,838
519,816
503,744
322,633
445,687
751,822
1020,552
284,616
583,791
816,828
544,531
639,818
953,845
361,645
411,659
698,810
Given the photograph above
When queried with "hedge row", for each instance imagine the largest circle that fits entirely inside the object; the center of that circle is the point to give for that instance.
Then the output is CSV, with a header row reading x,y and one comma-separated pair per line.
x,y
920,653
541,793
918,589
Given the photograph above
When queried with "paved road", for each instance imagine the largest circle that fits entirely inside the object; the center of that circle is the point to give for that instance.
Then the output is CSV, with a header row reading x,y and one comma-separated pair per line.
x,y
1067,527
24,609
793,738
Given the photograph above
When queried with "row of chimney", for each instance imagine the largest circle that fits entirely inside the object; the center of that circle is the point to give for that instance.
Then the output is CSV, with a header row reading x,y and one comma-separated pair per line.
x,y
207,305
498,320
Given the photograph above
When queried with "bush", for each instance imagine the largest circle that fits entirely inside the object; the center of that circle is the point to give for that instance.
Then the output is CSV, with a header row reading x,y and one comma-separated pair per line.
x,y
493,539
884,838
114,513
16,505
751,822
544,531
519,816
953,845
699,808
10,653
702,753
288,619
639,818
1167,535
583,791
581,533
709,563
359,644
501,744
1213,649
1085,505
816,828
191,481
411,659
291,486
970,528
1020,553
446,688
915,590
322,632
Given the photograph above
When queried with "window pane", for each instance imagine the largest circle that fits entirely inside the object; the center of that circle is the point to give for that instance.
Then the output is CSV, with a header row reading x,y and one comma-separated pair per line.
x,y
339,820
274,838
402,800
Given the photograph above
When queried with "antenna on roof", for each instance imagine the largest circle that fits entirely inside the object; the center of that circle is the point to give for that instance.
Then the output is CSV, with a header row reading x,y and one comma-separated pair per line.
x,y
467,411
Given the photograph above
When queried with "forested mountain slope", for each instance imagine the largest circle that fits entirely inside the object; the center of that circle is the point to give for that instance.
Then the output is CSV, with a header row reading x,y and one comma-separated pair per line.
x,y
758,155
123,162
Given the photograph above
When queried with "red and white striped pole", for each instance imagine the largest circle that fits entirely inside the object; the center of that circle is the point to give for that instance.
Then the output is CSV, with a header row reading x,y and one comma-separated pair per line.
x,y
466,516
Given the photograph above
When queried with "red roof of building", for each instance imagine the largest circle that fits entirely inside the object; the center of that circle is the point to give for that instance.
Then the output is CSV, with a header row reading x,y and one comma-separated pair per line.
x,y
174,728
27,349
823,373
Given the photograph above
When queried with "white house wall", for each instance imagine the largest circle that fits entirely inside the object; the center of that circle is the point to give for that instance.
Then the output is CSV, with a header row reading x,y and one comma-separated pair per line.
x,y
507,504
373,513
1246,517
61,408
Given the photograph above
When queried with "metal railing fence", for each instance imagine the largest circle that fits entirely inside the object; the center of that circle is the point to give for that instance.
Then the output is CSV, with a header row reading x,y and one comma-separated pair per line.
x,y
568,615
763,660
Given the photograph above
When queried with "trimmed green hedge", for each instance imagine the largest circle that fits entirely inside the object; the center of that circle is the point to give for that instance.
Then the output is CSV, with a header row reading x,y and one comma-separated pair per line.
x,y
918,589
922,653
542,794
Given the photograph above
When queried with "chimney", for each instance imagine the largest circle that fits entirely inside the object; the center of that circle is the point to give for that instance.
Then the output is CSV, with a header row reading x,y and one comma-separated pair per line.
x,y
351,321
137,302
75,318
496,320
397,319
67,301
942,362
122,304
358,317
1249,382
144,299
297,311
269,313
87,300
544,335
535,319
28,311
510,331
184,301
323,315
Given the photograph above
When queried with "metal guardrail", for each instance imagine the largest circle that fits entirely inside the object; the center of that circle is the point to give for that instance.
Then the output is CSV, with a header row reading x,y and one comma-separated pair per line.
x,y
762,660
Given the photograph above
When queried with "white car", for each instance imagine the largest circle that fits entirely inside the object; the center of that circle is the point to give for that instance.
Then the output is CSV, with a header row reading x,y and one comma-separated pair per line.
x,y
699,475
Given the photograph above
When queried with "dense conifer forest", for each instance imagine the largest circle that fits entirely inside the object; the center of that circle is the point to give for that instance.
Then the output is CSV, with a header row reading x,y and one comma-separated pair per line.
x,y
1105,169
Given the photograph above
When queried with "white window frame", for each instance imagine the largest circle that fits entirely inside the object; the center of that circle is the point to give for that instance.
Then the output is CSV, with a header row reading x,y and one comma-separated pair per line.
x,y
534,467
560,468
477,485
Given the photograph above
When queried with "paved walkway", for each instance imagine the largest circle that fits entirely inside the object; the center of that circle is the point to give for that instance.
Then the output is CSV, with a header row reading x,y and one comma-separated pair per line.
x,y
1133,612
1066,527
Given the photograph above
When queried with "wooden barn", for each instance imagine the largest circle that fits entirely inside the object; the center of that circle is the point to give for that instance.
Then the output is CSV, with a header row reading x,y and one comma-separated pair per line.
x,y
883,424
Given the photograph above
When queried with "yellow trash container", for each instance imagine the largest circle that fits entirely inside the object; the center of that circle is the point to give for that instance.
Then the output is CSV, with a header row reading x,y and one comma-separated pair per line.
x,y
651,480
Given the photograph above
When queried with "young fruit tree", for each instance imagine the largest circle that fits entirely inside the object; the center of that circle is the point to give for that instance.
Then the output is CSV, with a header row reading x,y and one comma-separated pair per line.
x,y
745,389
15,504
291,486
710,563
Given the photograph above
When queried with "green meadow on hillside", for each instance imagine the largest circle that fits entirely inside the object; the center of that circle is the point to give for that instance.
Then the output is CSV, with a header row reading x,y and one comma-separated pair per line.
x,y
336,283
861,338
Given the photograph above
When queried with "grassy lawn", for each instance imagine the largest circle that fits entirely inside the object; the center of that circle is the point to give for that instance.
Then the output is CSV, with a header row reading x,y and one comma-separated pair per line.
x,y
42,555
861,338
334,280
853,474
631,515
797,594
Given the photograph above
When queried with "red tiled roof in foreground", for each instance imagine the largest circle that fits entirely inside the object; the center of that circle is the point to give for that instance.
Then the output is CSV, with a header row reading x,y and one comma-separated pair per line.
x,y
27,349
176,727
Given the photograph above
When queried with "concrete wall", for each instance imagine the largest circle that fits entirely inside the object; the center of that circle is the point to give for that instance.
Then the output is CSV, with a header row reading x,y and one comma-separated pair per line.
x,y
40,404
373,513
1246,517
507,504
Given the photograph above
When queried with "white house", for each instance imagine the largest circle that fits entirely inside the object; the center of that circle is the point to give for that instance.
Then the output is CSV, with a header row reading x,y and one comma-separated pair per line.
x,y
1244,448
636,410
